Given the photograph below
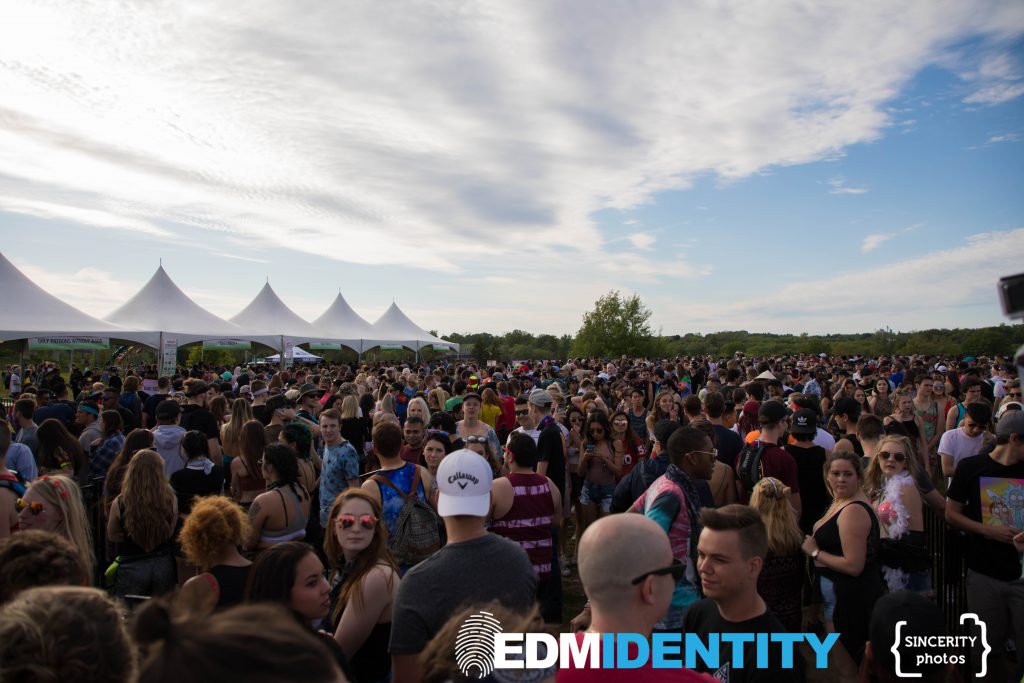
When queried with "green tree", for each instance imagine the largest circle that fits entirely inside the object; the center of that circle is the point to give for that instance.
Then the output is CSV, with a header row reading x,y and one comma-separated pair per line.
x,y
618,325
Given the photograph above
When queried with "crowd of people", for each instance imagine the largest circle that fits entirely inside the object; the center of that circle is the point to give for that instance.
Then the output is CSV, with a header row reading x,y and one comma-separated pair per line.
x,y
339,521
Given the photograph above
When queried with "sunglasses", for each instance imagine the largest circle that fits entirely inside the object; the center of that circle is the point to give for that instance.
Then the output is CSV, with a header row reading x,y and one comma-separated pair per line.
x,y
885,455
713,452
676,569
349,521
1014,394
35,508
522,412
476,439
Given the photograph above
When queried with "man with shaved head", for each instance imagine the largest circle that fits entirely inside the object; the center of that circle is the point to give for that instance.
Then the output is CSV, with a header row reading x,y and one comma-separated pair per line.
x,y
629,574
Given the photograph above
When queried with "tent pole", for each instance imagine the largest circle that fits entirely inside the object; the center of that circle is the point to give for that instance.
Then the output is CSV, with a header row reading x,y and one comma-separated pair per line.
x,y
282,353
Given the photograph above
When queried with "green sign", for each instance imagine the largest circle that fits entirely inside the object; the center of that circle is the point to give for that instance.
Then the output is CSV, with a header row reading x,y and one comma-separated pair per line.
x,y
226,345
324,346
67,343
391,347
441,347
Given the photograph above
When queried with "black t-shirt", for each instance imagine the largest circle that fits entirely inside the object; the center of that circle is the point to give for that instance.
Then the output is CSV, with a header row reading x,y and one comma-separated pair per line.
x,y
814,497
991,493
550,450
702,618
149,408
729,444
191,483
199,419
262,413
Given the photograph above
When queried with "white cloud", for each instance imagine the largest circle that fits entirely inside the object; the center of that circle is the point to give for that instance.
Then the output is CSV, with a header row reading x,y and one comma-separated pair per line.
x,y
1005,137
998,78
872,242
907,295
641,240
838,185
352,131
92,290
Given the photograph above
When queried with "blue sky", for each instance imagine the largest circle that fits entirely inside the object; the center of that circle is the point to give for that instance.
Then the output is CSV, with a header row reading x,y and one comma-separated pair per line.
x,y
837,167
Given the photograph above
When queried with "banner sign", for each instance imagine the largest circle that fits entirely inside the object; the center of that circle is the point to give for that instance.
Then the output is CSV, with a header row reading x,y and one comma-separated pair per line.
x,y
441,347
150,386
391,347
324,346
289,353
226,345
68,343
169,357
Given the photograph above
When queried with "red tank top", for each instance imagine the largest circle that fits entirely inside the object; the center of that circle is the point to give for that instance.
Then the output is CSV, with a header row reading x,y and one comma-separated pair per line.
x,y
528,522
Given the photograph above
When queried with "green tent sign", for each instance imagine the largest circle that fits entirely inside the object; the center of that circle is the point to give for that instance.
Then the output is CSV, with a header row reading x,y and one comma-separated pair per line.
x,y
324,346
226,345
441,347
391,347
68,343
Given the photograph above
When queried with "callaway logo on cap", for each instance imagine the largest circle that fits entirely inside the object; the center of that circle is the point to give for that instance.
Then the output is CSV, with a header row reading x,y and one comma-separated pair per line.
x,y
464,485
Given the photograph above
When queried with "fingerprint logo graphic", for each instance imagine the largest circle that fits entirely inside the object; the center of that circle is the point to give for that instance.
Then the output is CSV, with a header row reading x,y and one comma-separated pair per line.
x,y
474,646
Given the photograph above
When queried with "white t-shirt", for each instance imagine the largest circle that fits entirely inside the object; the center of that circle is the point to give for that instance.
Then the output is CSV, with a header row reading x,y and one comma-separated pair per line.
x,y
958,445
15,384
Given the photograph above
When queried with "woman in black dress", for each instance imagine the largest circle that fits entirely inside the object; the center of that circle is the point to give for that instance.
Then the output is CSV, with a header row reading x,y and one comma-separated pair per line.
x,y
844,548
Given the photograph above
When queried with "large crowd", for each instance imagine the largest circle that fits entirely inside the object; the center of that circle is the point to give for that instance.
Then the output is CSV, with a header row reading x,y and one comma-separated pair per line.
x,y
341,522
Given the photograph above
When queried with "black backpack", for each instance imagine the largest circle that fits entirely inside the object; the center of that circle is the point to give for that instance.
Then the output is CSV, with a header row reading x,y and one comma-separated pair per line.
x,y
749,469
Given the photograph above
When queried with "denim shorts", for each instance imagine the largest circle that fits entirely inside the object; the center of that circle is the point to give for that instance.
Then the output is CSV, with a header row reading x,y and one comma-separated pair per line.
x,y
828,598
597,494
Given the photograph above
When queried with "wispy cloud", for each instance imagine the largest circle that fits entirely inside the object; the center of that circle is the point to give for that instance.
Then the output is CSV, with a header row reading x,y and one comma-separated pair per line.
x,y
641,240
838,185
839,303
524,118
872,242
998,78
1003,137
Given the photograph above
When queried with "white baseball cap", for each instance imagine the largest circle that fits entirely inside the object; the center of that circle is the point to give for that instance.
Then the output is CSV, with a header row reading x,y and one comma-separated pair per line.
x,y
464,484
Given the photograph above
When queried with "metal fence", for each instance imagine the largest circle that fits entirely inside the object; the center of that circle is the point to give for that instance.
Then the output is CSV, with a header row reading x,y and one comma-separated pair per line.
x,y
948,548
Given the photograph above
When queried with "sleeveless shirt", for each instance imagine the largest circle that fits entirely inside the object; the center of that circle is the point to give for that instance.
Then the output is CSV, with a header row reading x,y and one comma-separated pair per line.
x,y
528,522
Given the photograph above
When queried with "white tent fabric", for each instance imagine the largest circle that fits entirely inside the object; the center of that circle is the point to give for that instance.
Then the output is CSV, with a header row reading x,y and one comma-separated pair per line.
x,y
267,314
29,311
298,354
395,327
161,307
344,324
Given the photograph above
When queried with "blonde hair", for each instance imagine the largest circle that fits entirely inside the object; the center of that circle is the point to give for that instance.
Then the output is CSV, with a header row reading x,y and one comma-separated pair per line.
x,y
770,497
215,522
422,404
874,480
240,414
62,493
349,407
148,500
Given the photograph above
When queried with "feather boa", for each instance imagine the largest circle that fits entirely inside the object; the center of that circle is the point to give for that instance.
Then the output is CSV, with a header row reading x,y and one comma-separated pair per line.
x,y
892,495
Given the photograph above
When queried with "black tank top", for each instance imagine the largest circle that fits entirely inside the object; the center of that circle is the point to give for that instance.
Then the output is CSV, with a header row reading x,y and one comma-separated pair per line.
x,y
230,584
828,540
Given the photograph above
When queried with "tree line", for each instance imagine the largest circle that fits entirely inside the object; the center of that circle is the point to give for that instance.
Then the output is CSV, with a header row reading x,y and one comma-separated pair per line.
x,y
619,325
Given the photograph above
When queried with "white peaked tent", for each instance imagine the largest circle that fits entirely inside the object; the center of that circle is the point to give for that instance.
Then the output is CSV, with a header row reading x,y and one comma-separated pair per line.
x,y
267,314
31,312
394,327
161,308
298,355
341,322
